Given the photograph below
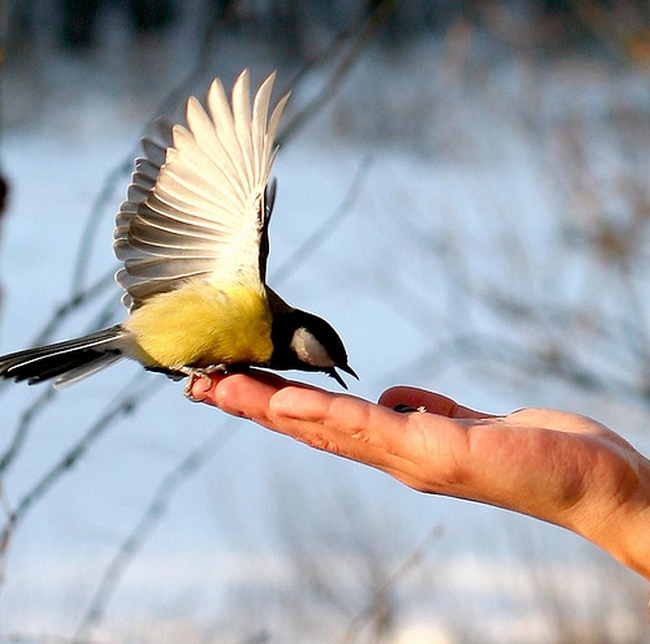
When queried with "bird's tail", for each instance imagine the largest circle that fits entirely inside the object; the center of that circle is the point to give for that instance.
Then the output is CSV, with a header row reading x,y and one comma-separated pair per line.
x,y
67,361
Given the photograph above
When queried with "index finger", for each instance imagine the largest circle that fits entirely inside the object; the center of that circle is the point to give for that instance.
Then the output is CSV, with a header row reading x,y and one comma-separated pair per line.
x,y
431,402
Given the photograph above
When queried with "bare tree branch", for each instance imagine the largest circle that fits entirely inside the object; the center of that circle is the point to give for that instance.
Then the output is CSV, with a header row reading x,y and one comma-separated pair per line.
x,y
382,593
319,236
19,638
156,510
22,430
123,168
367,30
135,392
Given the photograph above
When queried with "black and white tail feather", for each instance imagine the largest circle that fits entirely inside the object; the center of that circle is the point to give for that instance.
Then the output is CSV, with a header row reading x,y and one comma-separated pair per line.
x,y
67,362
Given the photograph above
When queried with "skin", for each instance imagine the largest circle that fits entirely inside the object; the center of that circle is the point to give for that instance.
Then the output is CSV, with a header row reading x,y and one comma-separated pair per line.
x,y
563,468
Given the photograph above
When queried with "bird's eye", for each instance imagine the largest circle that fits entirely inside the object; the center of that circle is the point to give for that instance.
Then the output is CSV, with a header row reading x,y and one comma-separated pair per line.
x,y
309,349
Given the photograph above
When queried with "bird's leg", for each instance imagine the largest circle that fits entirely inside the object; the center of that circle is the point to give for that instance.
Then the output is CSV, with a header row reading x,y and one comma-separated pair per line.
x,y
200,372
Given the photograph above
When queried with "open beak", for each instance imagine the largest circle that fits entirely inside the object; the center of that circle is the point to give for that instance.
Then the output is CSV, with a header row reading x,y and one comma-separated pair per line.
x,y
337,376
348,369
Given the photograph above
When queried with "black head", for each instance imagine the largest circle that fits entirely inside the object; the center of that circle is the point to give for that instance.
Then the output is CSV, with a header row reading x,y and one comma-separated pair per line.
x,y
304,341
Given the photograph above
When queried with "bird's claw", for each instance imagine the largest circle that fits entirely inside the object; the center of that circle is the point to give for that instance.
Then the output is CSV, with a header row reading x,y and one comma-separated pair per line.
x,y
193,373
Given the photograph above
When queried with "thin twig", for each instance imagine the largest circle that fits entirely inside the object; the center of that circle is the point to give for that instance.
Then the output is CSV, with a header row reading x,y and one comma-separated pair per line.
x,y
390,584
156,510
323,232
603,25
380,15
327,92
133,394
40,404
74,302
20,638
123,168
22,430
78,291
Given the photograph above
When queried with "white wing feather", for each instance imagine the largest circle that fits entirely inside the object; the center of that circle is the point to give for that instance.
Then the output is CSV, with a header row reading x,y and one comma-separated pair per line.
x,y
195,206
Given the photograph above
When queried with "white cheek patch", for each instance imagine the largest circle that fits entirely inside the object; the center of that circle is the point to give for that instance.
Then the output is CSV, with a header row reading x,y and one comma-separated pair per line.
x,y
308,349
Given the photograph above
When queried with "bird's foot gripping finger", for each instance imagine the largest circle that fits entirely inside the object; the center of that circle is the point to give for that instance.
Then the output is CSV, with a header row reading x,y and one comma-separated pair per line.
x,y
205,372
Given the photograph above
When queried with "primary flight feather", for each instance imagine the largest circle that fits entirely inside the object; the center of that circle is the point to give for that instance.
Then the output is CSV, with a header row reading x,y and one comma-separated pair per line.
x,y
193,238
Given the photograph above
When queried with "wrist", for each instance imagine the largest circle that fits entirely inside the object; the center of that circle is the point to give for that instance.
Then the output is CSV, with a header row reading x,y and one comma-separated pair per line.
x,y
628,536
636,545
615,515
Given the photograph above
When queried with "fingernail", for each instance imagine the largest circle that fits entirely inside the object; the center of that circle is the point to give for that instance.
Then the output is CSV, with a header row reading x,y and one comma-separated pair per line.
x,y
402,408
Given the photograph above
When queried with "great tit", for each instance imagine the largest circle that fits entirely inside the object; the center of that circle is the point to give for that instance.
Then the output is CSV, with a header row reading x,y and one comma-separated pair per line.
x,y
193,236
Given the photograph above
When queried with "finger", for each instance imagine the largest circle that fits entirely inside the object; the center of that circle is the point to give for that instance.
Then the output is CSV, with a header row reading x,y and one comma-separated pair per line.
x,y
338,423
239,394
431,402
344,425
425,451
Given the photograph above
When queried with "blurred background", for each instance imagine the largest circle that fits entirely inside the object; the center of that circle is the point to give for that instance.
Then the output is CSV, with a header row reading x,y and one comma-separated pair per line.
x,y
463,194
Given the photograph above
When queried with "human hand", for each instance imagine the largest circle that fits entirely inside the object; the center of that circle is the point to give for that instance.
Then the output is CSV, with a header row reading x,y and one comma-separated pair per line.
x,y
563,468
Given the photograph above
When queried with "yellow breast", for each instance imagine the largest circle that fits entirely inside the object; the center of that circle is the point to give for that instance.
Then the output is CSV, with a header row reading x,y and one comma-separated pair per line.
x,y
200,325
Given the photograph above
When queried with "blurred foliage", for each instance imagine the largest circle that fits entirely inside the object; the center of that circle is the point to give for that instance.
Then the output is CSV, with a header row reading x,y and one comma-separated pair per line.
x,y
622,27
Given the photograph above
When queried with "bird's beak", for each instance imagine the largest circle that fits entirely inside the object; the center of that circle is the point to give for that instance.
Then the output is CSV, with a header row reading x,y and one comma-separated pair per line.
x,y
348,369
337,376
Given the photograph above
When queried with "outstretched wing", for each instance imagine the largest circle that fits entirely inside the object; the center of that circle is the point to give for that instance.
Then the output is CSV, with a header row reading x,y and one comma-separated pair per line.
x,y
196,205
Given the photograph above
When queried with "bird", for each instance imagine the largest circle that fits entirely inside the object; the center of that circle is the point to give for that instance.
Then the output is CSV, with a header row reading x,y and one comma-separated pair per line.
x,y
193,239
